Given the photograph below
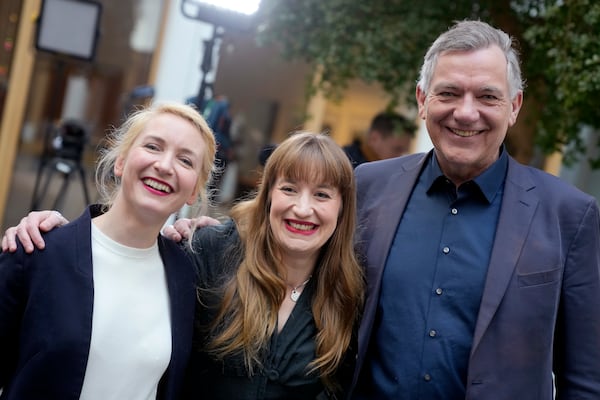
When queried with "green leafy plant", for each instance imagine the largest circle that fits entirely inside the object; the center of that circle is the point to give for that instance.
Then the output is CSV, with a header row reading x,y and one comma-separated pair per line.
x,y
383,42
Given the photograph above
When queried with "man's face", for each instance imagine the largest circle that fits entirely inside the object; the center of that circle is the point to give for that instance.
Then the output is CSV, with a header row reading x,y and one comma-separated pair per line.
x,y
468,110
390,146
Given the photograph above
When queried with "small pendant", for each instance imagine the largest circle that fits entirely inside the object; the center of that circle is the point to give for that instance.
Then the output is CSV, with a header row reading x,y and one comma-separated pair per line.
x,y
294,295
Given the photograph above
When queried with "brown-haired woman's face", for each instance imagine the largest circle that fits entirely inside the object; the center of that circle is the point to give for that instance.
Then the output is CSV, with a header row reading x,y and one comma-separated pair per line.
x,y
303,216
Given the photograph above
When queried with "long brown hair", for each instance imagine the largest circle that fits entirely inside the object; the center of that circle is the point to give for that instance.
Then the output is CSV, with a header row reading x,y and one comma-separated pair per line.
x,y
248,314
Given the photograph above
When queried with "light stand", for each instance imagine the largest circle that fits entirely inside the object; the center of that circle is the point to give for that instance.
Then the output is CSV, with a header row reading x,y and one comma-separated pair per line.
x,y
238,16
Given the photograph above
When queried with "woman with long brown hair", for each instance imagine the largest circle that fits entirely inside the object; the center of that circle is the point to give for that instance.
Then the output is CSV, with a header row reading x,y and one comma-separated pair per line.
x,y
280,287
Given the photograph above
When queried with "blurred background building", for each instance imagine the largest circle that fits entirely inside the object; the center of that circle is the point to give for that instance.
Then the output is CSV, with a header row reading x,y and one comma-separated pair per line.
x,y
150,50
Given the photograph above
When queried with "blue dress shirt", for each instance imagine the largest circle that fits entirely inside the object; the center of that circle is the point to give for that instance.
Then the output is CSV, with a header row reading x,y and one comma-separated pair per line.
x,y
432,287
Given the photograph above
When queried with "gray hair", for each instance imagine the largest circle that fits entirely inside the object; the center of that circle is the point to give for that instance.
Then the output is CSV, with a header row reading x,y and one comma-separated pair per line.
x,y
470,36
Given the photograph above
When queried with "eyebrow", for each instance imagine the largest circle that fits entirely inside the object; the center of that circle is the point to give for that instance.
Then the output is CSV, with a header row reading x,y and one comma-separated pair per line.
x,y
185,150
296,182
451,86
491,89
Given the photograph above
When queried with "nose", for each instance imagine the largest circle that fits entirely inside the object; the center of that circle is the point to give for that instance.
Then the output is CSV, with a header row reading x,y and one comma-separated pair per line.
x,y
164,163
304,205
466,109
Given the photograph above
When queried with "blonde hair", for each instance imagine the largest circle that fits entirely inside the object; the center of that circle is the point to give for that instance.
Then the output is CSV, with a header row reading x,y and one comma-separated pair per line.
x,y
121,139
248,314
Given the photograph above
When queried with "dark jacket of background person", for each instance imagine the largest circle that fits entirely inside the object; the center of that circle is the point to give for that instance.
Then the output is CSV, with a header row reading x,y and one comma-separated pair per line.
x,y
542,290
45,315
283,372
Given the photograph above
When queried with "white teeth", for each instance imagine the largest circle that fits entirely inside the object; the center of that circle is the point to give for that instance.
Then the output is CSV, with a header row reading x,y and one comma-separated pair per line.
x,y
158,186
301,227
465,133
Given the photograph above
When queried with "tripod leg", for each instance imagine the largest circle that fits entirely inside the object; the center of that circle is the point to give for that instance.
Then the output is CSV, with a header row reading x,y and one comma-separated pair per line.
x,y
39,196
84,185
36,197
60,198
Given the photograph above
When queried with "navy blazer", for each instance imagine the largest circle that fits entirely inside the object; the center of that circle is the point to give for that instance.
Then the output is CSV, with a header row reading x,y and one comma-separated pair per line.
x,y
46,302
540,309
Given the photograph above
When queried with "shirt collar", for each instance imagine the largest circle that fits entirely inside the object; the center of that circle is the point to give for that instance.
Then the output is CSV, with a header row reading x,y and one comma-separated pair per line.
x,y
489,181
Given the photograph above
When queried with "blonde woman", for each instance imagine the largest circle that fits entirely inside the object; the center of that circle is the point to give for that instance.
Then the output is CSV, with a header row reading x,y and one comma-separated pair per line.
x,y
105,310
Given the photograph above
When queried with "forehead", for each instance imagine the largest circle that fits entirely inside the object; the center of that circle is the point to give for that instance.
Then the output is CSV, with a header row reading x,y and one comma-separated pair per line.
x,y
476,66
173,130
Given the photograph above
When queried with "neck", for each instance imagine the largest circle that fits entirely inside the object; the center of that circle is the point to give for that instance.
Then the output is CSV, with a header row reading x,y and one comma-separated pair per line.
x,y
301,284
298,270
126,230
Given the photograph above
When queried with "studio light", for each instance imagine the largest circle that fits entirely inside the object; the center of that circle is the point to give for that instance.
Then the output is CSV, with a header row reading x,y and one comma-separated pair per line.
x,y
247,7
229,14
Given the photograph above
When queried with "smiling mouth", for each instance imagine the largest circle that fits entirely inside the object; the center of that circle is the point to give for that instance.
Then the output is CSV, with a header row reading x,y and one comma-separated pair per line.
x,y
301,227
462,133
161,187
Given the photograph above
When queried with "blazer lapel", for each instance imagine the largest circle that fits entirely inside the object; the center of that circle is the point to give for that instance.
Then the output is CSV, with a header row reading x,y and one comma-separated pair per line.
x,y
516,214
389,210
380,218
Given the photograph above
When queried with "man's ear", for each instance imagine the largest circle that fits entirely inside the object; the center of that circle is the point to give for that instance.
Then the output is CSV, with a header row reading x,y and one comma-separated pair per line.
x,y
516,104
421,98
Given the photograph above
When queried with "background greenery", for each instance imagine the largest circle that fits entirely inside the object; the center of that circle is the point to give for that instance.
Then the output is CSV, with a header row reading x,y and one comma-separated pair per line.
x,y
384,41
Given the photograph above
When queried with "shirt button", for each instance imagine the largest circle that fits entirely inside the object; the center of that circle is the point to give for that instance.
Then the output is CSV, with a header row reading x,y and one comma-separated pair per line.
x,y
427,377
273,374
454,211
446,250
432,333
438,291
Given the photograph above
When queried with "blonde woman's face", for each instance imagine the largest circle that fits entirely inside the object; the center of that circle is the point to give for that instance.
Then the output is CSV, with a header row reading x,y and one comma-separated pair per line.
x,y
303,216
160,171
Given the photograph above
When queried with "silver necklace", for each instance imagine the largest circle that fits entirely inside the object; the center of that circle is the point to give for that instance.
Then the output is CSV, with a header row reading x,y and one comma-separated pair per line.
x,y
295,293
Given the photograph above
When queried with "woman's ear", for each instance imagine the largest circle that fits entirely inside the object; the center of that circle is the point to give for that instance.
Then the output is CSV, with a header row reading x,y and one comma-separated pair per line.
x,y
193,197
119,166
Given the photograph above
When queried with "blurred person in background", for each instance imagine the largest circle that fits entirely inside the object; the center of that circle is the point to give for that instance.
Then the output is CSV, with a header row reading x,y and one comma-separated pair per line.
x,y
389,135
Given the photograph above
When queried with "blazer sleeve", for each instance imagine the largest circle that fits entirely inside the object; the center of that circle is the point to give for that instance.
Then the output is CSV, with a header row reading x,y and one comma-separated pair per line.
x,y
12,299
577,340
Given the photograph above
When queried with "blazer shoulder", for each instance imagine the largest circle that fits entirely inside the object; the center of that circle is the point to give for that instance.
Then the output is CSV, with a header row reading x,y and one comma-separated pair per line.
x,y
375,169
548,186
